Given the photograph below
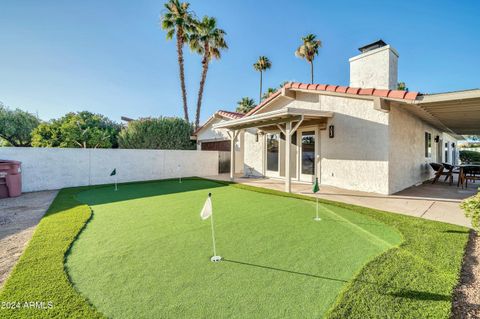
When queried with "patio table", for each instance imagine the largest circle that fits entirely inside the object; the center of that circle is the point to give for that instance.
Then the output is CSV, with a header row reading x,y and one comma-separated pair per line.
x,y
461,175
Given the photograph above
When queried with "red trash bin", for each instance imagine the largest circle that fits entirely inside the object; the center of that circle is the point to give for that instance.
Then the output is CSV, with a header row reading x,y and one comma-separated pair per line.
x,y
12,177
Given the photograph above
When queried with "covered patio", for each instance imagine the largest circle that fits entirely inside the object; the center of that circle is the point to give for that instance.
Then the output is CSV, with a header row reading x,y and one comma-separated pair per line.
x,y
287,121
437,202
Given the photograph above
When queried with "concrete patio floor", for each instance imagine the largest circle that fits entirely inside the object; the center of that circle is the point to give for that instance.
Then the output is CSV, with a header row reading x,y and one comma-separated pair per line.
x,y
439,201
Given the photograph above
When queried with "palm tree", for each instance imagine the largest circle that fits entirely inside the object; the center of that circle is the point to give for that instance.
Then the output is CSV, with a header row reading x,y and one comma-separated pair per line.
x,y
178,22
402,86
208,41
262,64
269,92
245,105
309,49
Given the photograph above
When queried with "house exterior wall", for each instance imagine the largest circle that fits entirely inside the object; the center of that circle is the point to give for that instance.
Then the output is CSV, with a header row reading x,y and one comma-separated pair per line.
x,y
208,134
254,153
372,150
450,153
357,157
407,162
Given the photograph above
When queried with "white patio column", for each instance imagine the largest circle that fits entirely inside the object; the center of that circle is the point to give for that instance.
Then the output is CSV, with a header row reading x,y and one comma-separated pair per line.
x,y
233,136
288,141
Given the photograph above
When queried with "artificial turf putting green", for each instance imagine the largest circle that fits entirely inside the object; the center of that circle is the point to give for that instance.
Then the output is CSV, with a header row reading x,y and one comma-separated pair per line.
x,y
145,252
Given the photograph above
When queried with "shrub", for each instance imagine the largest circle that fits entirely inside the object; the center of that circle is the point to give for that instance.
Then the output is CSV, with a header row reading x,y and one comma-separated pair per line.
x,y
166,133
16,127
471,206
469,156
80,130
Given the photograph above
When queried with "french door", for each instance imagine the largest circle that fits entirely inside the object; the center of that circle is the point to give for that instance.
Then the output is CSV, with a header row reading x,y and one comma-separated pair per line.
x,y
308,149
273,154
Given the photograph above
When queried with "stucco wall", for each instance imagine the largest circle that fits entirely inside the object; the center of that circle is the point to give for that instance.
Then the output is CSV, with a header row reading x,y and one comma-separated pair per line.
x,y
54,168
452,157
207,133
375,69
253,152
357,157
408,164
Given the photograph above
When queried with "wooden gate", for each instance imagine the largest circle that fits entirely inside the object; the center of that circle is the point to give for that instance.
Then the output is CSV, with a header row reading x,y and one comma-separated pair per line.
x,y
223,162
223,148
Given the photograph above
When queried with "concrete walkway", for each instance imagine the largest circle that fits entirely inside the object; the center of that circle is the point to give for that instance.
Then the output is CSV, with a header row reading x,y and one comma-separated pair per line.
x,y
18,218
439,202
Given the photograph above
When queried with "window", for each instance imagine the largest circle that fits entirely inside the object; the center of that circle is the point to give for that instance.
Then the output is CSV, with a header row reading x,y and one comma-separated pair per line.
x,y
428,145
308,152
272,152
446,153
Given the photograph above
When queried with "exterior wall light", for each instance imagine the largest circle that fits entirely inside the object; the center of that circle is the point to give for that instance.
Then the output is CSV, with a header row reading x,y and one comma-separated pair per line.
x,y
331,131
437,139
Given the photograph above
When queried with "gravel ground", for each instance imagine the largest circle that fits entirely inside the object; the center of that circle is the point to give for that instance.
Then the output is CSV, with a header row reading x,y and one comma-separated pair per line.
x,y
18,218
466,302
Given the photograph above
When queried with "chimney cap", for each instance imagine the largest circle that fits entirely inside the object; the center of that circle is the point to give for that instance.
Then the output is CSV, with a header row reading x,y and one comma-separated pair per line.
x,y
372,46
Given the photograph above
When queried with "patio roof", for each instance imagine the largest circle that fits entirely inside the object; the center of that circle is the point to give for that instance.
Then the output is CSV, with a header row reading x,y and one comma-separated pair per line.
x,y
455,112
273,118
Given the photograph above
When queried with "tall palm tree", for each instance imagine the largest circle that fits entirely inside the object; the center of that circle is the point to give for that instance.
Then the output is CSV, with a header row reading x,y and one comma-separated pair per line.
x,y
262,64
245,105
309,49
208,41
178,21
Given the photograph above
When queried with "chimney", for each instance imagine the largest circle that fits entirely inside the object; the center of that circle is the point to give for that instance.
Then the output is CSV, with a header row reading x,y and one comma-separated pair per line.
x,y
375,67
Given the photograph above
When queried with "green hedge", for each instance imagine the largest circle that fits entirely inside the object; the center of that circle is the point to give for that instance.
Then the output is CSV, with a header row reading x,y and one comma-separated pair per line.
x,y
469,156
164,133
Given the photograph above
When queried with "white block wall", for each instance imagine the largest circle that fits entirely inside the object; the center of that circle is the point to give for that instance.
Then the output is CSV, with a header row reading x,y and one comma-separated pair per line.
x,y
55,168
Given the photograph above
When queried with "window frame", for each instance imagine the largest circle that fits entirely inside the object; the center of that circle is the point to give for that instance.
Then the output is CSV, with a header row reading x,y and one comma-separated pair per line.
x,y
428,145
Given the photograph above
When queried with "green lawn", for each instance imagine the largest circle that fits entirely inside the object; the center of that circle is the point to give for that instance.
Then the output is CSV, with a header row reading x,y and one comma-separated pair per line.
x,y
145,253
148,240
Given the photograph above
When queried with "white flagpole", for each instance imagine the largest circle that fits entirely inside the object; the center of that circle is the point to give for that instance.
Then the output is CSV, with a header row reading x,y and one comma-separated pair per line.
x,y
215,258
317,218
116,189
213,237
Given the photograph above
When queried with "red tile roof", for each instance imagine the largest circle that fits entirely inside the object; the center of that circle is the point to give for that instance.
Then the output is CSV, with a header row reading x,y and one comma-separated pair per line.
x,y
229,114
393,94
232,115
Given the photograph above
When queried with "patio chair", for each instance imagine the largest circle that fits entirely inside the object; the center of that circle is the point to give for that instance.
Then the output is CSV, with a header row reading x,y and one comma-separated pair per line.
x,y
452,170
440,171
471,173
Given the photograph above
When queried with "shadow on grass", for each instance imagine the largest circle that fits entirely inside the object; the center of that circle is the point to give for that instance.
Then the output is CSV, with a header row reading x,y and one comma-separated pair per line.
x,y
285,270
402,293
456,231
106,194
420,295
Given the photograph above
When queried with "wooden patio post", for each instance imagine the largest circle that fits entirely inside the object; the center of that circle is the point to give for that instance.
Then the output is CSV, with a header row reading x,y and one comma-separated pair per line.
x,y
288,141
233,136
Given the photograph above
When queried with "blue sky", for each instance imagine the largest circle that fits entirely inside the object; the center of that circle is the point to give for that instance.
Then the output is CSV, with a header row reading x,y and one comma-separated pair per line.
x,y
111,57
